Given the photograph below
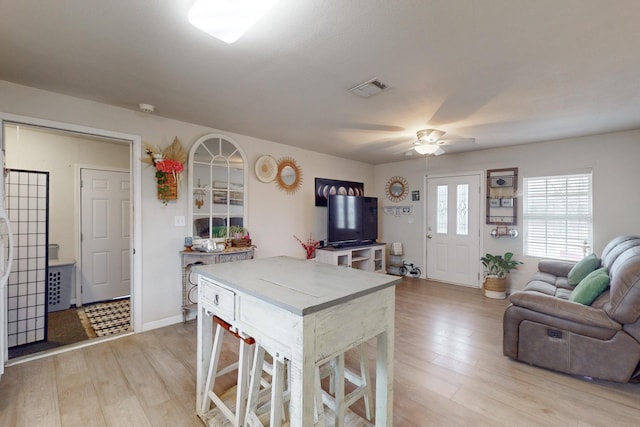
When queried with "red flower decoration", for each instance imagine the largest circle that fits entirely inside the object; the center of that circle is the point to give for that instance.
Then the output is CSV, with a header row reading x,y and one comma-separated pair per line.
x,y
309,247
169,166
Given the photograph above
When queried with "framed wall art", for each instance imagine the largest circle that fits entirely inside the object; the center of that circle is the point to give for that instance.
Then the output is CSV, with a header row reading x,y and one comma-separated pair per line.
x,y
326,187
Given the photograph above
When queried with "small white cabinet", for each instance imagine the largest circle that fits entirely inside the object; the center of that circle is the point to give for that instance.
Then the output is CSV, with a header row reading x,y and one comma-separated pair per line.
x,y
367,257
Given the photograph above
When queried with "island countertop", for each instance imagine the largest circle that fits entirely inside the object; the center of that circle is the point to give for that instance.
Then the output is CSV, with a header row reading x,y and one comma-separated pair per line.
x,y
297,285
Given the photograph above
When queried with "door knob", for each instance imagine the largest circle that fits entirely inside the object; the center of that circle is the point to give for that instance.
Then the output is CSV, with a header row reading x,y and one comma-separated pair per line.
x,y
429,236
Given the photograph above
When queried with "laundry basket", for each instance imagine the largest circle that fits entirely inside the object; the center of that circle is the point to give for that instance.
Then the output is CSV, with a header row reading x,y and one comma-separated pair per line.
x,y
59,284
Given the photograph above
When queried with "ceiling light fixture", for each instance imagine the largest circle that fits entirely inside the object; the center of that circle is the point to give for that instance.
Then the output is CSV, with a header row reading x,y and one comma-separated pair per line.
x,y
430,135
147,108
228,20
428,141
426,148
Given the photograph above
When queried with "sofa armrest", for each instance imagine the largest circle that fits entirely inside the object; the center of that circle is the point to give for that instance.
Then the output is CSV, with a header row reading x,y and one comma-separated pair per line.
x,y
564,309
557,268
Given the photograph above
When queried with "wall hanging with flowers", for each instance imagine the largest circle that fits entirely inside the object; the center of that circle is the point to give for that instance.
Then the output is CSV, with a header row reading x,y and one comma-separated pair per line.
x,y
169,164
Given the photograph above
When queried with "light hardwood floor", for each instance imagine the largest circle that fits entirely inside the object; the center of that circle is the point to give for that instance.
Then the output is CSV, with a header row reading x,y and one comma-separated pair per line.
x,y
449,371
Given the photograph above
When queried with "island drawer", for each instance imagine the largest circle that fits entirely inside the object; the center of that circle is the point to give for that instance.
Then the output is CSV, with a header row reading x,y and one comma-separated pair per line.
x,y
220,300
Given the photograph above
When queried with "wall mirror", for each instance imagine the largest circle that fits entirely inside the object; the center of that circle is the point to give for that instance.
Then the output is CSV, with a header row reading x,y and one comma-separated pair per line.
x,y
397,189
289,175
217,191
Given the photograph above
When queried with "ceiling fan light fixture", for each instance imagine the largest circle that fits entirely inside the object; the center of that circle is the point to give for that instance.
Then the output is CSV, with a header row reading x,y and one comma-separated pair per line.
x,y
228,20
430,135
426,148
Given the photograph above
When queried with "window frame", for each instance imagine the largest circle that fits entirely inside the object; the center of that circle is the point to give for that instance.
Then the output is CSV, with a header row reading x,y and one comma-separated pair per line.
x,y
571,207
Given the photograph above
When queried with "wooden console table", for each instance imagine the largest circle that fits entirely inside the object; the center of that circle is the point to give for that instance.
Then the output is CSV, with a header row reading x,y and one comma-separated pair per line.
x,y
306,312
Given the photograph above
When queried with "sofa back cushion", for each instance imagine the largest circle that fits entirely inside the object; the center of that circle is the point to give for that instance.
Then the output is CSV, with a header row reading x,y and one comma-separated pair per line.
x,y
623,263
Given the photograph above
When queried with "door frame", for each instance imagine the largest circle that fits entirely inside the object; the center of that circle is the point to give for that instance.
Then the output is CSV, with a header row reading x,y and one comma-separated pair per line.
x,y
481,212
135,170
77,196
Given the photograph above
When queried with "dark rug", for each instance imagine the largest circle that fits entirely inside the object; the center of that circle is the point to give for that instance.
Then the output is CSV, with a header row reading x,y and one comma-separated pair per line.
x,y
64,327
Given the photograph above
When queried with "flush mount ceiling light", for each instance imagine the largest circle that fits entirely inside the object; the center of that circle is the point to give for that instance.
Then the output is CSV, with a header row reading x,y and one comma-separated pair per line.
x,y
228,20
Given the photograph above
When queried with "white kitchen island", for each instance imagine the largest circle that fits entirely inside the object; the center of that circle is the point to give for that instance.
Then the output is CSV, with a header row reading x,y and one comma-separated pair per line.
x,y
306,312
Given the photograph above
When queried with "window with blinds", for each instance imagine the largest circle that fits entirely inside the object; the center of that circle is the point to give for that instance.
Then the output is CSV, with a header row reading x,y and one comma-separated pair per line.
x,y
558,220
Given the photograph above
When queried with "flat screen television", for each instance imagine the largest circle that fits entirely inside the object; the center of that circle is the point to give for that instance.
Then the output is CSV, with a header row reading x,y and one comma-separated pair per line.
x,y
351,220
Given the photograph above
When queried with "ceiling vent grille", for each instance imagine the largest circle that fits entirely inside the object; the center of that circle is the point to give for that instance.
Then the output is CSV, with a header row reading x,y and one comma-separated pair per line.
x,y
369,88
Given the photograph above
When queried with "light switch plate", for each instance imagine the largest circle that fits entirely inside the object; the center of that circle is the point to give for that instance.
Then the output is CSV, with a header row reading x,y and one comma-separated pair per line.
x,y
179,221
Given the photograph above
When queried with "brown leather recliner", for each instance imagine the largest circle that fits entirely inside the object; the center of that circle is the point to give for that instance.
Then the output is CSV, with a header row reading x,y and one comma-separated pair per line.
x,y
543,328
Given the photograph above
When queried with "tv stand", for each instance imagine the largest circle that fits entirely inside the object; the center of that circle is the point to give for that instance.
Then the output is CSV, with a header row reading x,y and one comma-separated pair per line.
x,y
368,257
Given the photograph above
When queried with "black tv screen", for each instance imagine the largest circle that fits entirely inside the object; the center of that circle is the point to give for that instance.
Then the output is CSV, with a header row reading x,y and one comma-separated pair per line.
x,y
351,220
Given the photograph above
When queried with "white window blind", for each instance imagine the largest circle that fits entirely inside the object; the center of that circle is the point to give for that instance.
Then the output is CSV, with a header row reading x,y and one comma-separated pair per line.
x,y
558,220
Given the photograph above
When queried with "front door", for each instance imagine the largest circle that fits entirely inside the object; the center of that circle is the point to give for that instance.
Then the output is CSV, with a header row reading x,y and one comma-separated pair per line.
x,y
453,229
106,233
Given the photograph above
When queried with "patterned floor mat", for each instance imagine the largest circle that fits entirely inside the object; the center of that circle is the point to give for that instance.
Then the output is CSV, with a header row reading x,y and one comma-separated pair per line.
x,y
107,318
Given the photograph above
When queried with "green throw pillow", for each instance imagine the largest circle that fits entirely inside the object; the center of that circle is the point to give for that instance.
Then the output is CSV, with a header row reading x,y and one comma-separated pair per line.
x,y
585,266
591,287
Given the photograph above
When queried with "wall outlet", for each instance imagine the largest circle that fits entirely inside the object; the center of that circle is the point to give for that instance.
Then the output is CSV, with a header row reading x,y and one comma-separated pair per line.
x,y
179,221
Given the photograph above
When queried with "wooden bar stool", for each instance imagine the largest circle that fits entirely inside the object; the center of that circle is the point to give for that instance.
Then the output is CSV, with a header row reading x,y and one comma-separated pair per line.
x,y
234,415
279,390
336,399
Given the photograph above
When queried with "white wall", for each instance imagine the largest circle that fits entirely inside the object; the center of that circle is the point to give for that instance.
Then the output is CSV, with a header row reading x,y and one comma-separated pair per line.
x,y
612,157
274,216
60,154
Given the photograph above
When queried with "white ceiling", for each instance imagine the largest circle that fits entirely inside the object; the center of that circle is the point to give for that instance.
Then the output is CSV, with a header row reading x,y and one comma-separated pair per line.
x,y
501,71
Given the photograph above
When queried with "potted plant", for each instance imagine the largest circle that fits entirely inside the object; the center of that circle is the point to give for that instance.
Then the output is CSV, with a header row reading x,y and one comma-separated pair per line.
x,y
239,236
219,236
496,268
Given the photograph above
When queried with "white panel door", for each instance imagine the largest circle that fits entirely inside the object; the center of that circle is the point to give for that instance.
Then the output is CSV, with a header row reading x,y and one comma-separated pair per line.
x,y
453,229
106,233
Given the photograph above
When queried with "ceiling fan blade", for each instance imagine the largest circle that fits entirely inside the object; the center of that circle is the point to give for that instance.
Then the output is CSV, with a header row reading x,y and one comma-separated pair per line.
x,y
449,141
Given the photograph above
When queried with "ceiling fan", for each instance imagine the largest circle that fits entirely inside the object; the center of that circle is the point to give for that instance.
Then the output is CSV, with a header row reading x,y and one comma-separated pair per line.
x,y
431,141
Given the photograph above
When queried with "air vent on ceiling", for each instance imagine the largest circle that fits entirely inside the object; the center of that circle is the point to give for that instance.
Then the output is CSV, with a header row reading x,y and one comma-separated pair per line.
x,y
369,88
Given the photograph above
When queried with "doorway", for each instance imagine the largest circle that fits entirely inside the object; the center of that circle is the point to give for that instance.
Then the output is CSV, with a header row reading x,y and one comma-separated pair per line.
x,y
82,141
453,229
105,231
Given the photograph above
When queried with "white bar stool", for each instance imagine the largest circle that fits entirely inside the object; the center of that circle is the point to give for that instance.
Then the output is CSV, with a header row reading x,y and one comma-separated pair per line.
x,y
234,415
336,399
280,395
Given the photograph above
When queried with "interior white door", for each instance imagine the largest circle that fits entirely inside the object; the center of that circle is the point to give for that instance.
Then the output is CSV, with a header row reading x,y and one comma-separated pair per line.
x,y
106,232
453,229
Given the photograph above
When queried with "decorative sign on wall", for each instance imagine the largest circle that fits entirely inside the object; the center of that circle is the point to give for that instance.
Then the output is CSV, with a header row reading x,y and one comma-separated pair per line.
x,y
398,210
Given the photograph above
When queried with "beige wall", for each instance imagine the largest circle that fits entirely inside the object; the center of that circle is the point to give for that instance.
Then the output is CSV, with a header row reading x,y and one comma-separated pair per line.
x,y
612,157
60,154
274,216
